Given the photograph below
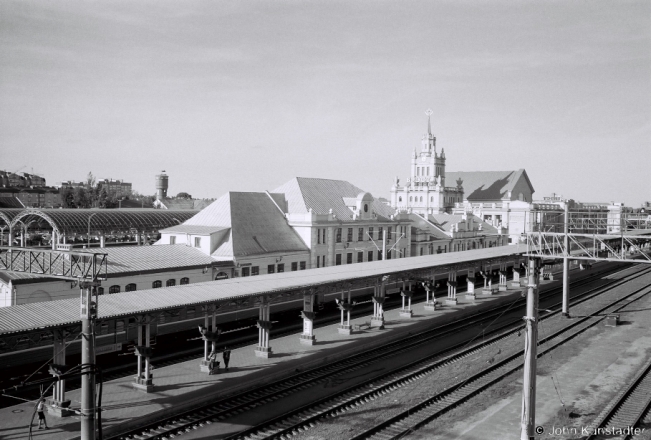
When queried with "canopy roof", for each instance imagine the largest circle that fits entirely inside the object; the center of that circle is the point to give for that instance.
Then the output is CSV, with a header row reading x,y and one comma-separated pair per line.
x,y
97,220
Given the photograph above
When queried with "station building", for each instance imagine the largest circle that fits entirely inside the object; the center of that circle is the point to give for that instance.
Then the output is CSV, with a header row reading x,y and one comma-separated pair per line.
x,y
305,223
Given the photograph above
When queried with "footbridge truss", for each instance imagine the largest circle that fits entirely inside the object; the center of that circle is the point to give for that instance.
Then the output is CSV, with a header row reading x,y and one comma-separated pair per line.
x,y
627,247
67,265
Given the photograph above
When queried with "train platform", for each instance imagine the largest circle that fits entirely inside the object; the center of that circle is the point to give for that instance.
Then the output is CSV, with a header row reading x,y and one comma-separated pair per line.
x,y
183,386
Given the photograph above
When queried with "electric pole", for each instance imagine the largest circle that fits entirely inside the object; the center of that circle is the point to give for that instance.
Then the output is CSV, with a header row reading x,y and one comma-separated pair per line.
x,y
566,261
530,352
88,315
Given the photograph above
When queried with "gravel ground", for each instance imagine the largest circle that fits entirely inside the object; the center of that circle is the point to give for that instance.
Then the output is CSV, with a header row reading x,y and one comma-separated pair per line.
x,y
355,420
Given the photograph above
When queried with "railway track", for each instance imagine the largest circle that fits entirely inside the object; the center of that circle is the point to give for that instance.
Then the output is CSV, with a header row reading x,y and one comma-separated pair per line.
x,y
625,411
223,409
424,412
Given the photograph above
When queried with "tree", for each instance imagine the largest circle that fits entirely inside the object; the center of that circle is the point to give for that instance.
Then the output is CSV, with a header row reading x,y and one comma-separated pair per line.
x,y
80,198
67,197
183,195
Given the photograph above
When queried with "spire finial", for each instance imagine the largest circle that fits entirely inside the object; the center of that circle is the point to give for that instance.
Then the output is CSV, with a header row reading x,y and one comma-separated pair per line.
x,y
429,123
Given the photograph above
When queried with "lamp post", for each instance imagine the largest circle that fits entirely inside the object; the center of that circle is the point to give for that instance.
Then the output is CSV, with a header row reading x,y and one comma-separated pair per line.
x,y
88,236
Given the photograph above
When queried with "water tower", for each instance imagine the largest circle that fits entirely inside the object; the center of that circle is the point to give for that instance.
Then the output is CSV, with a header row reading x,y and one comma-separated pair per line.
x,y
161,185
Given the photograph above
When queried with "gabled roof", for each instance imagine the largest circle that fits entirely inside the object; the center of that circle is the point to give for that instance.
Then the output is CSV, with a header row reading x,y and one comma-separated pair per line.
x,y
257,225
445,222
175,203
321,195
193,229
421,224
488,185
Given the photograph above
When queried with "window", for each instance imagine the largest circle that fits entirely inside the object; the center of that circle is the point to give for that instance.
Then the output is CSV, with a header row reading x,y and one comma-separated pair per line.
x,y
170,283
349,258
421,252
323,260
100,291
338,260
389,230
370,255
172,239
360,257
360,234
379,255
119,326
185,281
271,268
302,265
388,255
130,287
400,199
246,271
281,267
350,235
197,241
318,261
114,289
379,233
294,266
338,236
324,236
255,270
370,233
156,284
318,236
221,276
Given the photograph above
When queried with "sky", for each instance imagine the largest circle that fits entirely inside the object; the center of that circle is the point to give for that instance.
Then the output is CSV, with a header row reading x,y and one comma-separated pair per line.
x,y
244,96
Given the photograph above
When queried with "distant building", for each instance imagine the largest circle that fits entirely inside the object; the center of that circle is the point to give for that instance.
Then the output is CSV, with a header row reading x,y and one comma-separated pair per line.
x,y
22,180
27,191
119,188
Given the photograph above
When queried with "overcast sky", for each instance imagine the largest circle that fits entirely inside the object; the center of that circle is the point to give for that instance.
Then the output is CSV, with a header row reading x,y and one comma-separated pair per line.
x,y
243,96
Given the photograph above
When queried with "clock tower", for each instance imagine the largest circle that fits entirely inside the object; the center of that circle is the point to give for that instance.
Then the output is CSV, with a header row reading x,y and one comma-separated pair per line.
x,y
425,190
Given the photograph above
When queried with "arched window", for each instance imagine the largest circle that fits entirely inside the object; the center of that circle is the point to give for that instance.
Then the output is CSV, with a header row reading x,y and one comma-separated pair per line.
x,y
130,287
170,283
421,198
114,289
221,276
156,284
410,199
431,199
185,281
400,199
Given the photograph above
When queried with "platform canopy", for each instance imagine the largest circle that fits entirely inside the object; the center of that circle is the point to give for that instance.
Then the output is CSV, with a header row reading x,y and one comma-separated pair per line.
x,y
80,221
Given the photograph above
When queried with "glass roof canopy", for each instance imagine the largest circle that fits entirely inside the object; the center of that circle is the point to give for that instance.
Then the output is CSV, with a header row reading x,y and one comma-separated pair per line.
x,y
77,221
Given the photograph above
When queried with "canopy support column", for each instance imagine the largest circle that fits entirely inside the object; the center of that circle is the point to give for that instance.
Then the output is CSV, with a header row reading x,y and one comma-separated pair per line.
x,y
58,405
308,314
264,326
471,280
452,287
378,300
406,312
144,378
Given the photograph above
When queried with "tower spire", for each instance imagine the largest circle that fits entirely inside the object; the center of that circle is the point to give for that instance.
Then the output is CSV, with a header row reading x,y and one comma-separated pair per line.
x,y
429,122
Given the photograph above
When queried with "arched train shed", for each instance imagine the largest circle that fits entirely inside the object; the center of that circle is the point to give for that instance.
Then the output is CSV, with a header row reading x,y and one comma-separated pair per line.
x,y
71,222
